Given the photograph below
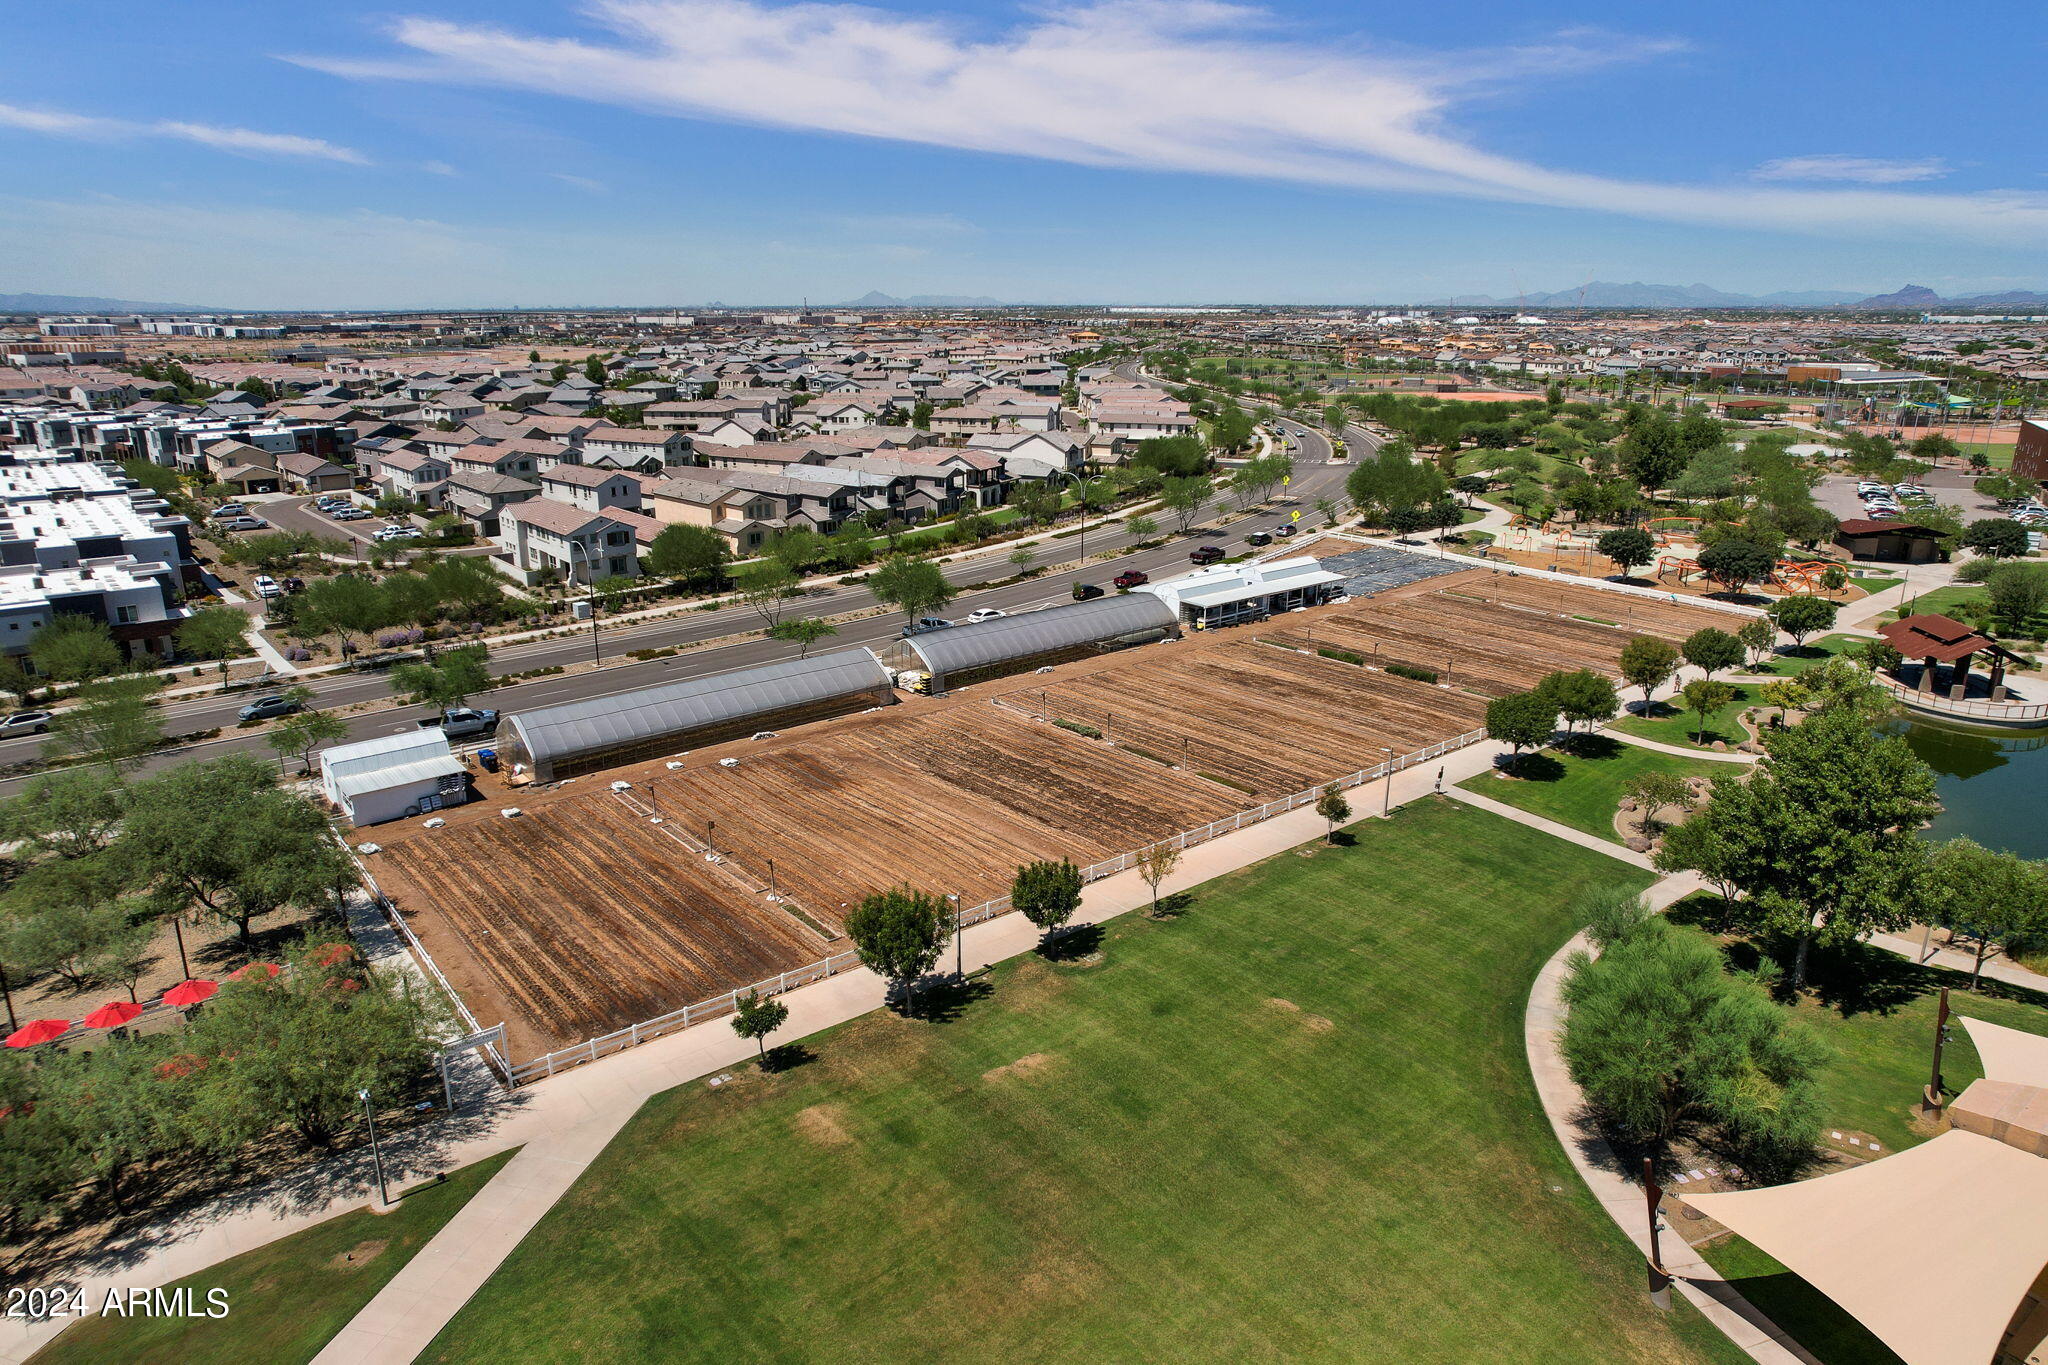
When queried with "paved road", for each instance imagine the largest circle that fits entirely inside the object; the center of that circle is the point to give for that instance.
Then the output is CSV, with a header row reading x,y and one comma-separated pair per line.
x,y
1312,481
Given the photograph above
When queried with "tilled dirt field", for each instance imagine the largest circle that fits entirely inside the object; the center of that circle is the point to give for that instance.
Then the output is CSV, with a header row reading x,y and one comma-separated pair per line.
x,y
580,918
951,801
1266,721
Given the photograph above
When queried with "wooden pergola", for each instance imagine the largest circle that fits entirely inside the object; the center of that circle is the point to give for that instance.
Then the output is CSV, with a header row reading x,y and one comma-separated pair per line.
x,y
1936,640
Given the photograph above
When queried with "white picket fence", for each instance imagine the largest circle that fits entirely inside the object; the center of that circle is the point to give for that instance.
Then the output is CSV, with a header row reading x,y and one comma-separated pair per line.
x,y
722,1005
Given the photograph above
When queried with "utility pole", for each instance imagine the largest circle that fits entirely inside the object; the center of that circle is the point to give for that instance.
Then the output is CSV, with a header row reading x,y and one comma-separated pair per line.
x,y
376,1152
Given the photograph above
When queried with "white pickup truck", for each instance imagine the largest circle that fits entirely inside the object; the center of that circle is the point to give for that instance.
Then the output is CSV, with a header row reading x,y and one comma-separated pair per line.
x,y
463,722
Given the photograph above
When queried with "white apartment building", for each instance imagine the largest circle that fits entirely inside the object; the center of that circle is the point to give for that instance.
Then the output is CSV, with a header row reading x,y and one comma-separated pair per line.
x,y
542,537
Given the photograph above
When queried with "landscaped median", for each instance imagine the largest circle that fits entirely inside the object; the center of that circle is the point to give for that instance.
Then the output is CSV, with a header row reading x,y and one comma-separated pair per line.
x,y
1292,1120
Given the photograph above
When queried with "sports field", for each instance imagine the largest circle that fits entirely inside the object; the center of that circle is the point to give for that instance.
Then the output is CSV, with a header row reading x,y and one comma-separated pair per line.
x,y
1294,1123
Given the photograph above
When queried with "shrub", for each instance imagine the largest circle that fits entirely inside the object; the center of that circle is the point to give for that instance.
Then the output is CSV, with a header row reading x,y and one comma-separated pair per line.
x,y
394,639
298,654
1421,675
1085,731
1342,656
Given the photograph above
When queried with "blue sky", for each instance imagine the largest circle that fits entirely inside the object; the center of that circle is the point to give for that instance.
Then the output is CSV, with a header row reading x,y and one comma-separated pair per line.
x,y
531,152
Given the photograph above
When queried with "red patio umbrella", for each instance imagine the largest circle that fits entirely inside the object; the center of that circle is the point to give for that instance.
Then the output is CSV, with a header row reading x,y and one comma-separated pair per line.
x,y
36,1032
266,969
190,993
113,1014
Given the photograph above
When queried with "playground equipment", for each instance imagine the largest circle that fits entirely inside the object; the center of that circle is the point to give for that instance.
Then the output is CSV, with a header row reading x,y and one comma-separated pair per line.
x,y
1793,577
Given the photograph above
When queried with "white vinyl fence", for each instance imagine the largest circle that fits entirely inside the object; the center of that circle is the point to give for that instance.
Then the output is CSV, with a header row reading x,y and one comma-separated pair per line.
x,y
720,1006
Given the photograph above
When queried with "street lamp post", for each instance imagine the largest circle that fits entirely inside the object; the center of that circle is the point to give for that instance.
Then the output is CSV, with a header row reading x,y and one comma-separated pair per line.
x,y
1660,1279
376,1152
959,939
590,596
1387,791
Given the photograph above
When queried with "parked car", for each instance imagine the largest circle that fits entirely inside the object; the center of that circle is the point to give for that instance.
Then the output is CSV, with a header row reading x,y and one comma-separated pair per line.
x,y
349,514
266,586
1206,554
980,614
24,723
295,584
398,532
263,708
1131,578
230,509
925,625
462,722
243,524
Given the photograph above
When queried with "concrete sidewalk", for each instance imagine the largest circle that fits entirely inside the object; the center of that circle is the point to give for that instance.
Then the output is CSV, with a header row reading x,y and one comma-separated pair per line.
x,y
563,1122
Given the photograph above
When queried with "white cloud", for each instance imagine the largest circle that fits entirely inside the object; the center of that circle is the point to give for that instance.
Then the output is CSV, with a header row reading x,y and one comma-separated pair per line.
x,y
242,141
1868,170
438,168
1199,86
581,182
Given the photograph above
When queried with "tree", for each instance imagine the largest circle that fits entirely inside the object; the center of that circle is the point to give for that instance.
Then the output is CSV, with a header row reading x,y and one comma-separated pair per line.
x,y
1758,636
1802,615
1997,900
1997,537
1629,548
1581,696
798,546
803,632
114,723
1934,447
916,586
65,814
1651,453
1653,790
764,585
2018,593
1648,661
300,1047
1521,720
346,606
69,914
1703,697
1155,865
1142,527
222,835
899,935
1662,1039
1787,694
1735,564
465,584
1021,558
15,680
1710,650
1334,809
74,649
449,681
690,554
1047,894
756,1016
300,733
215,633
594,371
1185,498
1822,839
1171,456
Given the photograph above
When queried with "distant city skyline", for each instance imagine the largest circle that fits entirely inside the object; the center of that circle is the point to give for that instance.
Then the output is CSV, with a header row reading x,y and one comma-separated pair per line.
x,y
453,153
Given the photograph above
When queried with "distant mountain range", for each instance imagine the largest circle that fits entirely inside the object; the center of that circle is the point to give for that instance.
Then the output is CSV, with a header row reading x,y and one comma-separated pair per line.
x,y
875,298
91,303
1605,294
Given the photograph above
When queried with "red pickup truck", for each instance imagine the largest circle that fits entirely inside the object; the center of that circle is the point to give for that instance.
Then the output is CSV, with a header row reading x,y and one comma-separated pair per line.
x,y
1131,578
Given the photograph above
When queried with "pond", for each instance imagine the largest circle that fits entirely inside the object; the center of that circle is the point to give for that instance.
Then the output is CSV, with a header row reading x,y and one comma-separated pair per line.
x,y
1993,784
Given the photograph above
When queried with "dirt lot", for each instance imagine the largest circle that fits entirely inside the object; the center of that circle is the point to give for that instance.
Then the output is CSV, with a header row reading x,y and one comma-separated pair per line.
x,y
582,915
580,918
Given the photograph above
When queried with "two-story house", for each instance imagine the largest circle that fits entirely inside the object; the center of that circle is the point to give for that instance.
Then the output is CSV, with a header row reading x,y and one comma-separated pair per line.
x,y
542,538
591,487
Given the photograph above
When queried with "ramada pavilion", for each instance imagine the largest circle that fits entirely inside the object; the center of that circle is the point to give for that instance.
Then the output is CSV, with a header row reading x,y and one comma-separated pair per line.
x,y
1936,640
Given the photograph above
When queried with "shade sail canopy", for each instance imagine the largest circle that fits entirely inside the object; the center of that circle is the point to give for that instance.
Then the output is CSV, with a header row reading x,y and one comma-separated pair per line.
x,y
2008,1054
1932,1248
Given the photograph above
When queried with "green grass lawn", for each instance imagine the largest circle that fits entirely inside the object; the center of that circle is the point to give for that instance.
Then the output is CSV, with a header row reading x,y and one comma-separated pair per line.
x,y
1813,1319
1792,660
1876,583
1667,723
285,1300
1945,598
1583,789
1293,1123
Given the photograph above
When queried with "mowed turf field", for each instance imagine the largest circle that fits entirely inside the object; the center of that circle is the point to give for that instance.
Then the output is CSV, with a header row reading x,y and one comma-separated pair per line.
x,y
1293,1123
